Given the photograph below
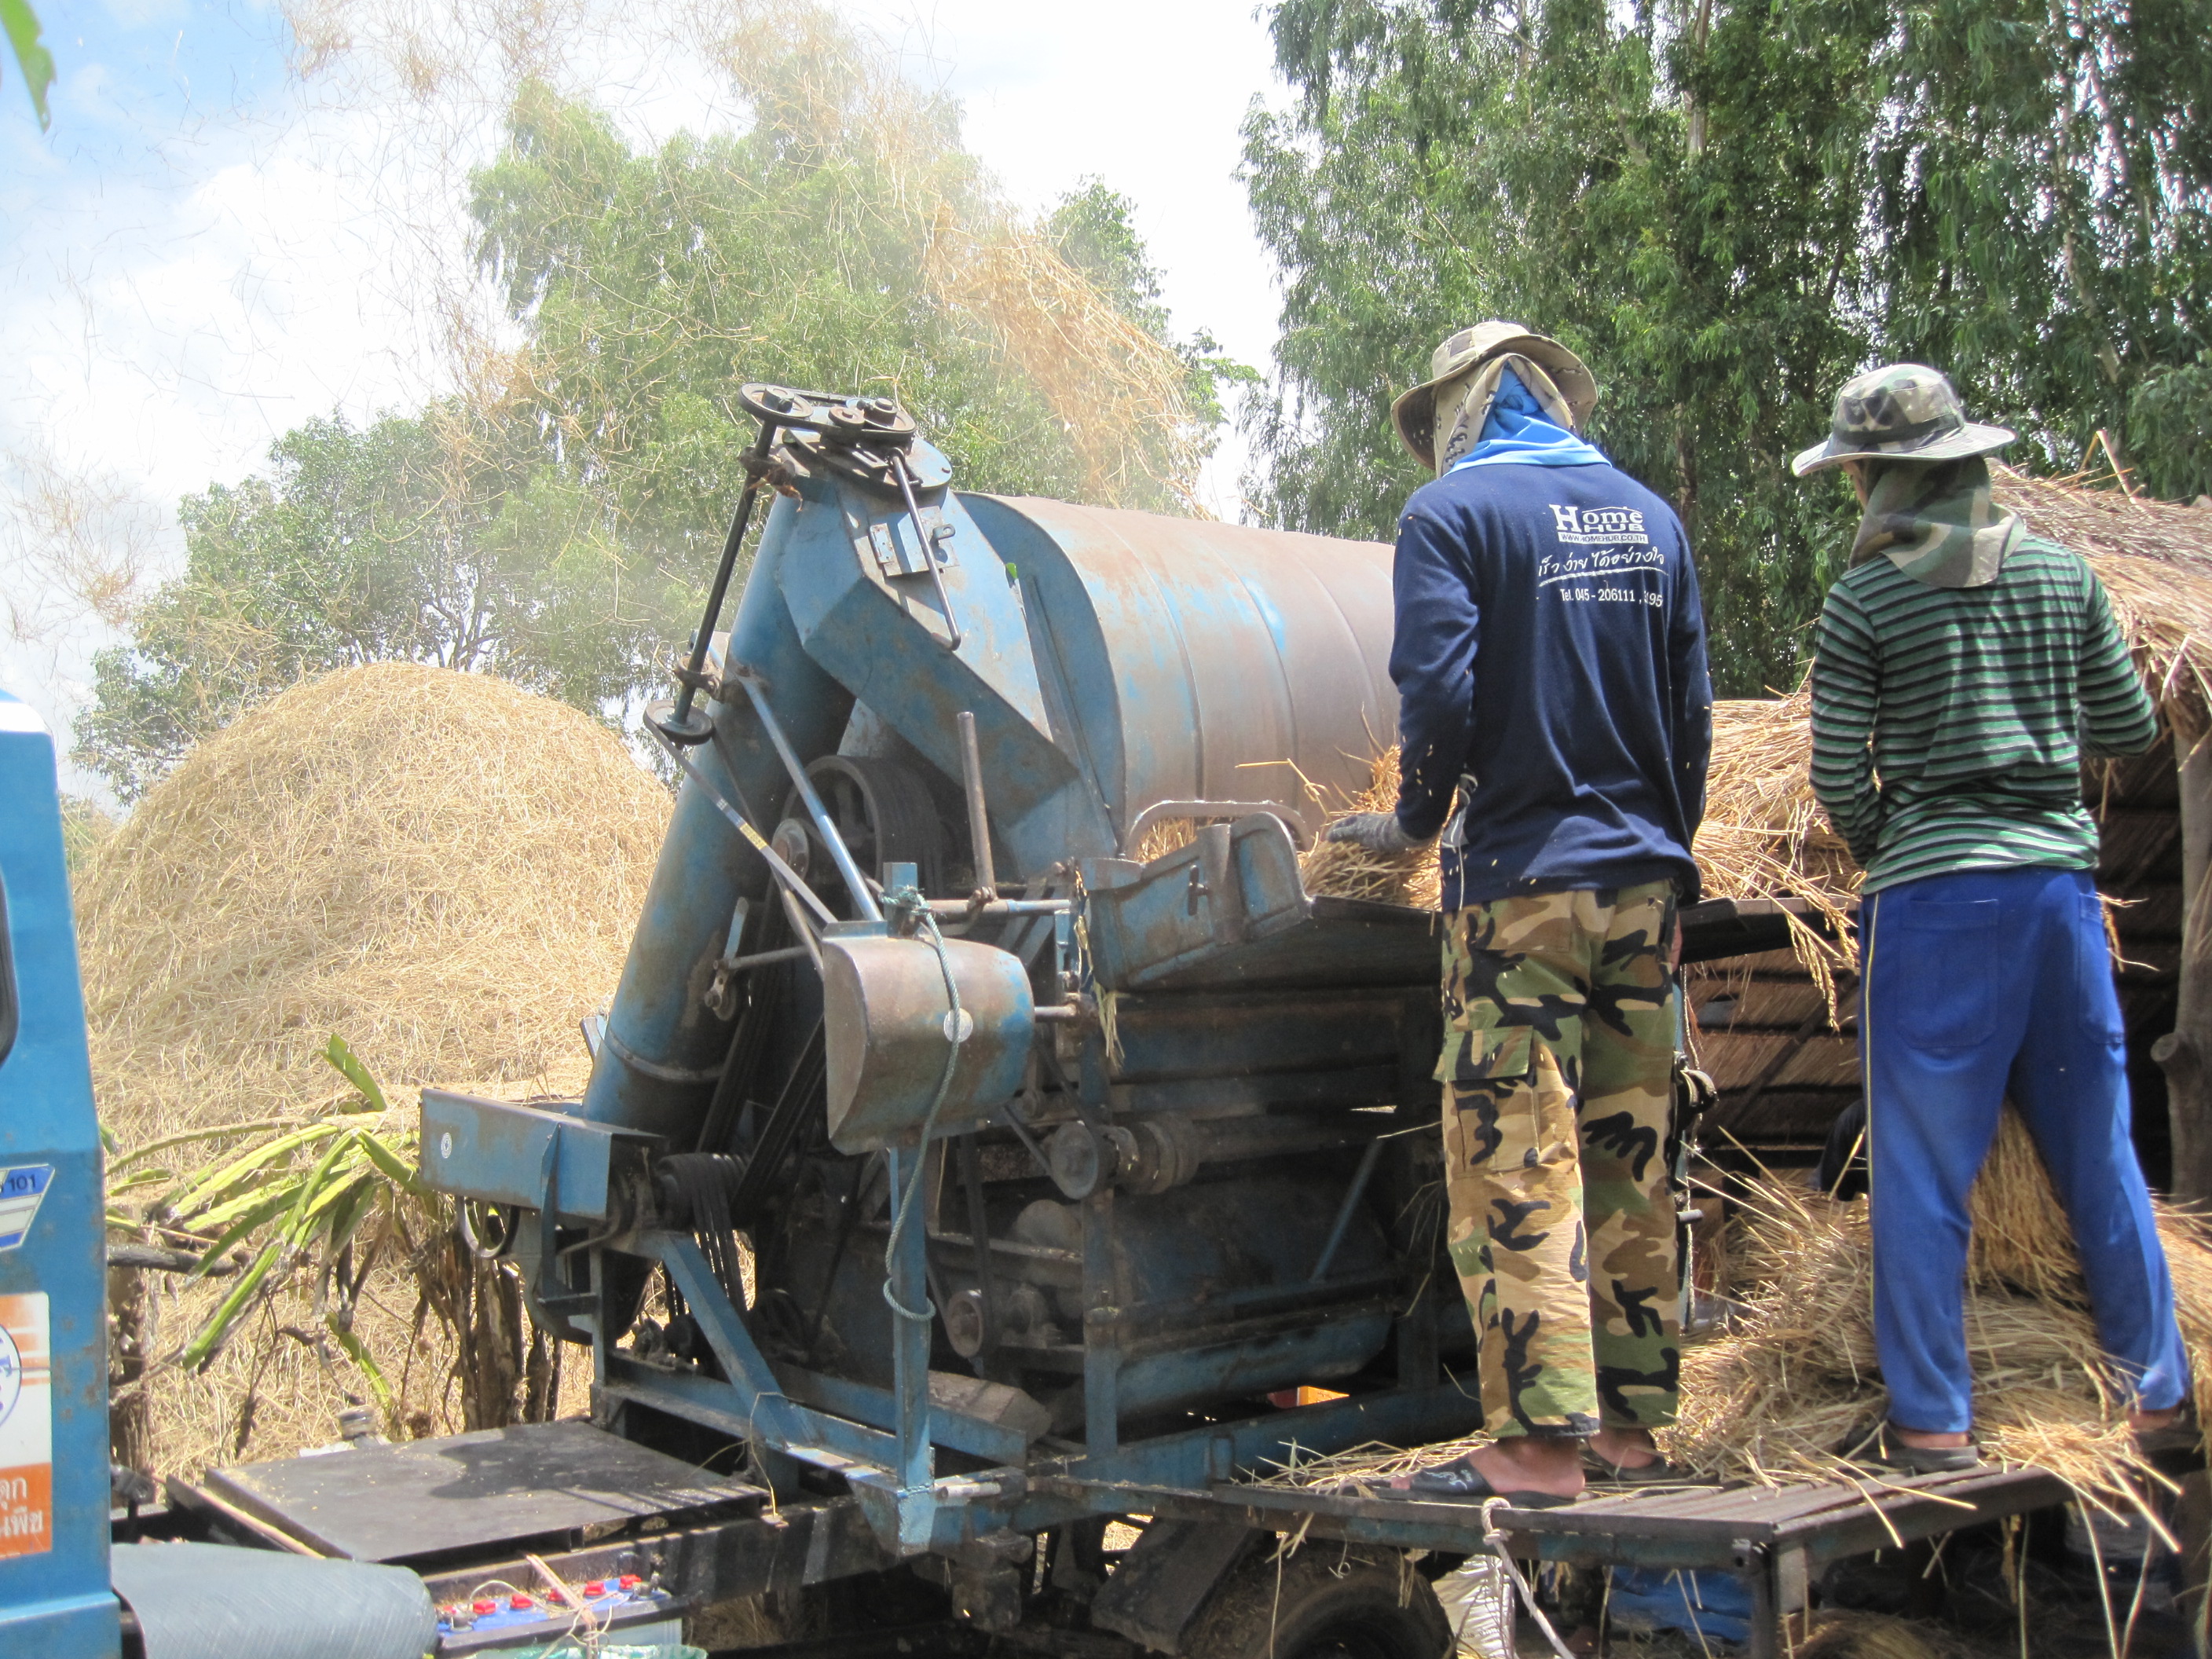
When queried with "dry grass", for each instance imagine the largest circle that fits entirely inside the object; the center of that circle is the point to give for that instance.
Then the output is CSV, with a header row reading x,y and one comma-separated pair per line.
x,y
435,866
2155,560
1337,869
1788,1392
1343,869
439,867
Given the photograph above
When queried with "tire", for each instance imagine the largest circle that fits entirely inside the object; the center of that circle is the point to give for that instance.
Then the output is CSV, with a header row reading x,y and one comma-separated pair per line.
x,y
1327,1601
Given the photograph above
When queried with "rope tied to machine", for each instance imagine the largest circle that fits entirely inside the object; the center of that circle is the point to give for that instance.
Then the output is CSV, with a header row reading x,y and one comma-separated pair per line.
x,y
909,914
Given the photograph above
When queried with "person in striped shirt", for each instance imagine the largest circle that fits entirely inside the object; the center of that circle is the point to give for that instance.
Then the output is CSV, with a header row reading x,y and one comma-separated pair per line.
x,y
1962,669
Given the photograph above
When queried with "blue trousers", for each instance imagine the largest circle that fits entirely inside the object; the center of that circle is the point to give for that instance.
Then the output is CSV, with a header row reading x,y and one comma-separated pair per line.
x,y
1977,986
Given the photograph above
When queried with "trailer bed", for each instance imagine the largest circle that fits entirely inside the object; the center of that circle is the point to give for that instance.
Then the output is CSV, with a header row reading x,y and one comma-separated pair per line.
x,y
1775,1538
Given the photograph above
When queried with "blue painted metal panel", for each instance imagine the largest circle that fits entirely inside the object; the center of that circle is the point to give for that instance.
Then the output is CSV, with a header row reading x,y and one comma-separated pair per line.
x,y
54,1595
656,1070
859,626
495,1151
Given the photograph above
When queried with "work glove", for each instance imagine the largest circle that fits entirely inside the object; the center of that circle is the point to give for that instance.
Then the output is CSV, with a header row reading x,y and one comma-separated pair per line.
x,y
1378,832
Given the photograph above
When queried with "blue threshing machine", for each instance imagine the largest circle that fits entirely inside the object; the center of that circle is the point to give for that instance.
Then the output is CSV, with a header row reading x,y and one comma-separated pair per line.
x,y
1081,1173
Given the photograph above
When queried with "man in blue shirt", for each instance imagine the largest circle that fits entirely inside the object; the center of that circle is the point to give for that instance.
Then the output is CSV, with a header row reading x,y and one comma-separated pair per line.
x,y
1554,723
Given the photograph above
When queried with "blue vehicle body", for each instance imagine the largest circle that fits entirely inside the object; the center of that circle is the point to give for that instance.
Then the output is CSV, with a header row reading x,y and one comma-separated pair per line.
x,y
54,1595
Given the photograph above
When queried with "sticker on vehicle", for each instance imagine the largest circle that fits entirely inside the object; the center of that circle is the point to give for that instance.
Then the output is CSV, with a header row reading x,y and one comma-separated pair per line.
x,y
27,1427
23,1189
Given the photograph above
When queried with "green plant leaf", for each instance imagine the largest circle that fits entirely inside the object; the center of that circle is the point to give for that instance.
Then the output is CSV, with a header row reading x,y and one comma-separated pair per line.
x,y
349,1065
395,1166
268,1206
357,1351
209,1188
32,56
210,1337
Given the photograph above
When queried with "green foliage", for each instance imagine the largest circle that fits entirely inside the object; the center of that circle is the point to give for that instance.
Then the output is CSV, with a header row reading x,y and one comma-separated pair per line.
x,y
32,58
1728,208
422,539
328,1199
558,523
654,285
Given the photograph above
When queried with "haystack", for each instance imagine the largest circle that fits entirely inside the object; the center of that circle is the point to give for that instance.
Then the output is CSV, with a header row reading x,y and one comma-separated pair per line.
x,y
1796,1383
438,866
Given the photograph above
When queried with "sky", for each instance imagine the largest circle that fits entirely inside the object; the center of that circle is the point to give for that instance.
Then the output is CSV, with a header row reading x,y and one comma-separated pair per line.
x,y
201,253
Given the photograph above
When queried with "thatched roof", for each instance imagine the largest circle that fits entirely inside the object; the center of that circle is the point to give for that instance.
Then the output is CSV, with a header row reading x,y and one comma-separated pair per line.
x,y
2155,560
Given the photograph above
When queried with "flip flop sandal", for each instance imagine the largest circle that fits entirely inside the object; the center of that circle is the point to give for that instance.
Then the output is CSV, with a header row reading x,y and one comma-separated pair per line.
x,y
1659,1473
2183,1434
1886,1450
1459,1482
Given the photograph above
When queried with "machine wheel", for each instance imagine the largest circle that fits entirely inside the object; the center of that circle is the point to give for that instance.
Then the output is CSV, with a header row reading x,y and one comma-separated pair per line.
x,y
1324,1602
883,811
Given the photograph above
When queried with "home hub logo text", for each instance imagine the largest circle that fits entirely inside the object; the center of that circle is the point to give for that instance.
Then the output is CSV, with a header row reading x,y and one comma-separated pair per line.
x,y
1585,526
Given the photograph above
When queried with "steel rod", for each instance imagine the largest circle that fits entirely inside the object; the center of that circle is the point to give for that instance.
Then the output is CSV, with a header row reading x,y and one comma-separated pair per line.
x,y
964,910
1368,1160
805,933
783,872
979,818
763,958
680,716
863,900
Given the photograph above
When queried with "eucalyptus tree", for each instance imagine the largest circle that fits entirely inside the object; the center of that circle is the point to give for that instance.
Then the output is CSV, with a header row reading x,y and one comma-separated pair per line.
x,y
1728,208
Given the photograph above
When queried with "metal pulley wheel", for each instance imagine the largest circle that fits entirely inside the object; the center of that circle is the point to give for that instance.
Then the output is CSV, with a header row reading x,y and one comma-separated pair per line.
x,y
883,813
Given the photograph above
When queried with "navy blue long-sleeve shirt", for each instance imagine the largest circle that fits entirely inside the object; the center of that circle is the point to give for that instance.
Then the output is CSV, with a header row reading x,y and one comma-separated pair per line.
x,y
1551,645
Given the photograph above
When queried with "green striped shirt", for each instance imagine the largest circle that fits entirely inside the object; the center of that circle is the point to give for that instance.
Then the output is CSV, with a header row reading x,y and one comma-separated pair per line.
x,y
1949,723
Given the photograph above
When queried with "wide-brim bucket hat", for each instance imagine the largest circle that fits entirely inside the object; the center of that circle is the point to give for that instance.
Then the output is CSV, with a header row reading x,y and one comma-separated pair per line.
x,y
1900,412
1414,413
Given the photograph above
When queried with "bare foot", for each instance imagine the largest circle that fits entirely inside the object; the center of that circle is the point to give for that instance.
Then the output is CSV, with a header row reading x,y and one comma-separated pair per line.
x,y
1626,1449
2144,1422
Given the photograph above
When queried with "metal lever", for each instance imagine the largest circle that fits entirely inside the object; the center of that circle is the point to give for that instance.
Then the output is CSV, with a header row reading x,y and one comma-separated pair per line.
x,y
928,550
681,724
979,822
783,872
863,902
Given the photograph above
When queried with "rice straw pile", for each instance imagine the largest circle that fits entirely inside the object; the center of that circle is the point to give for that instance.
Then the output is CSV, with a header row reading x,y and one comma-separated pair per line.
x,y
1794,1385
1795,1382
2154,559
437,867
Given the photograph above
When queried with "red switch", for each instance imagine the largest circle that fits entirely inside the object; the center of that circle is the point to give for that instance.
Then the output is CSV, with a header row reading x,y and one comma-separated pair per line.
x,y
630,1581
596,1587
482,1605
518,1601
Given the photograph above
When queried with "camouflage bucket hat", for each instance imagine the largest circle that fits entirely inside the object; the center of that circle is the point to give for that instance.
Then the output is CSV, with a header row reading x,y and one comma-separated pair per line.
x,y
1902,412
1414,413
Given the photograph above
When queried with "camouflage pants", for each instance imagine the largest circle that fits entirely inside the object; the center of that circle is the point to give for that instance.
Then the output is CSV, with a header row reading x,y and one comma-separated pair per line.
x,y
1559,1074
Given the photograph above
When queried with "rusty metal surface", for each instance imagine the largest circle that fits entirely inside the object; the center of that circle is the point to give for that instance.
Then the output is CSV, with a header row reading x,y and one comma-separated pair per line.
x,y
1226,650
427,1498
887,1020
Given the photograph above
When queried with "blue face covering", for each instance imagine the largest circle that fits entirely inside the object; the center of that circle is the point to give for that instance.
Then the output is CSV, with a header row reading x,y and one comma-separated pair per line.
x,y
1517,431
